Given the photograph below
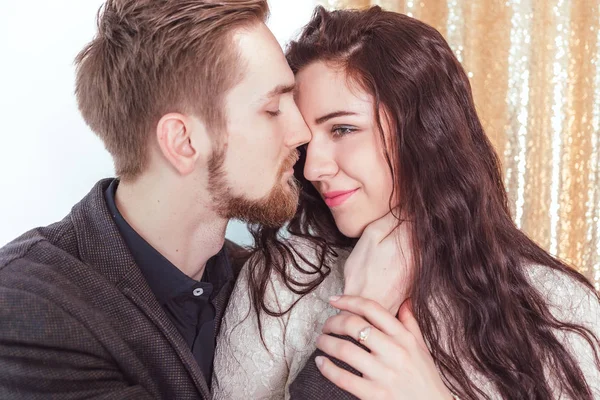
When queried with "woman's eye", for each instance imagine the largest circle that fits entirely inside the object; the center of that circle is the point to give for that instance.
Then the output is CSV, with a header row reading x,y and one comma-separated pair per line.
x,y
339,131
274,113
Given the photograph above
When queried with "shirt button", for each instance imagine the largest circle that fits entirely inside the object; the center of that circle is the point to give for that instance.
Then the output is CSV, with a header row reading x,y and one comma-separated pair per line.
x,y
198,292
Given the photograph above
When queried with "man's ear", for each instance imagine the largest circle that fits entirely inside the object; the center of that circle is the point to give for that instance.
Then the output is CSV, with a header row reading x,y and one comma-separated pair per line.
x,y
183,140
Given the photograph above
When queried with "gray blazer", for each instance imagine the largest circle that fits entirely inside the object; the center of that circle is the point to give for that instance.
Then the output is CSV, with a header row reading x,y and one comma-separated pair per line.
x,y
77,319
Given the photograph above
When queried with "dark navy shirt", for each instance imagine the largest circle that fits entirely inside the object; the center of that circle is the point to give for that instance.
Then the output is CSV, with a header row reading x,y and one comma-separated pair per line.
x,y
187,302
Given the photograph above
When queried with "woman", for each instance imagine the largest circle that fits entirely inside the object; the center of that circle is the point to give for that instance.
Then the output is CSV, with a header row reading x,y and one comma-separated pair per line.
x,y
394,131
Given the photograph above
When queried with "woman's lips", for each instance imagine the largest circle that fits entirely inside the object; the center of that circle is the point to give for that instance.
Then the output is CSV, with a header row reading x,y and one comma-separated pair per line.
x,y
336,198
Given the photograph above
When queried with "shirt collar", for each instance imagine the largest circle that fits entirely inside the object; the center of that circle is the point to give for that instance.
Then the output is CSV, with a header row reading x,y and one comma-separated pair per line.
x,y
165,279
219,271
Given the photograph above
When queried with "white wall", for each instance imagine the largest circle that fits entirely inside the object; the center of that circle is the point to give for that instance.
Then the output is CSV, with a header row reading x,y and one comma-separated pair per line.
x,y
49,159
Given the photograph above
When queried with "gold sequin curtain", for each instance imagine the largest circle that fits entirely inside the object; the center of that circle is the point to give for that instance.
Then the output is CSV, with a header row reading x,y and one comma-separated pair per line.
x,y
534,67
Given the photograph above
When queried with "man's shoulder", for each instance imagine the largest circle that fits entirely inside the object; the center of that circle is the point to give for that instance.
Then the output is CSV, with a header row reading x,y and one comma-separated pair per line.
x,y
38,245
40,258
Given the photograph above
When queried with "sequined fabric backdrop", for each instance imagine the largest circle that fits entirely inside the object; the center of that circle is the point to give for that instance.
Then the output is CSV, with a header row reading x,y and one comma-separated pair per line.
x,y
534,67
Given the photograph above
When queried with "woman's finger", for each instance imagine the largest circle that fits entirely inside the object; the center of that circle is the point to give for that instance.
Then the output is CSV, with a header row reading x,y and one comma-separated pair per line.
x,y
383,347
346,380
407,319
372,312
356,357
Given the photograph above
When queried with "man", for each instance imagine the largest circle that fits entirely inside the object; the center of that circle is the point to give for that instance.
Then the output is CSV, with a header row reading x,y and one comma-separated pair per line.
x,y
123,298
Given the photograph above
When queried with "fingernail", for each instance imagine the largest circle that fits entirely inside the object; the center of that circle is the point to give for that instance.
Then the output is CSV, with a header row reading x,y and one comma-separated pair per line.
x,y
334,298
319,361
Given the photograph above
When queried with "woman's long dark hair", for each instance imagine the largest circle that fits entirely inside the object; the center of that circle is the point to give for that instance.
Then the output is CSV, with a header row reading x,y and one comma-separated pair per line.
x,y
471,259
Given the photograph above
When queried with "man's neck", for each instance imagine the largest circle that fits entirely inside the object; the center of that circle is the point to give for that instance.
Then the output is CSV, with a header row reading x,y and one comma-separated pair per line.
x,y
177,223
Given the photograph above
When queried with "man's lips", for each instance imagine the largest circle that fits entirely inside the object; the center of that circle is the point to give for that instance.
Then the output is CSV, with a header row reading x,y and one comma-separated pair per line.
x,y
335,198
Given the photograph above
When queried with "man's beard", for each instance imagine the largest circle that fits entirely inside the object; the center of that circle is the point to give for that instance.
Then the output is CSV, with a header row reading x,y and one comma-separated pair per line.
x,y
273,210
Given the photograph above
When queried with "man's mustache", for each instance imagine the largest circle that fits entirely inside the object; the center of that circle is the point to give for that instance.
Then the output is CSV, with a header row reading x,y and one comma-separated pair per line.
x,y
290,161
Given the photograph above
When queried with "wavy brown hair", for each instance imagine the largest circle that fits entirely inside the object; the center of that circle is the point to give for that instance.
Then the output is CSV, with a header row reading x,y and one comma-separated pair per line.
x,y
468,251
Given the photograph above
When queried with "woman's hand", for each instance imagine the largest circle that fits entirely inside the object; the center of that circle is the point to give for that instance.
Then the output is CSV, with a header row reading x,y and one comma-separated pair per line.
x,y
399,365
380,266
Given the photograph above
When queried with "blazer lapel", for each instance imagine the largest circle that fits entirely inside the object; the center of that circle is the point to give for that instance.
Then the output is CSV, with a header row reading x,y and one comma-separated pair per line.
x,y
135,288
101,246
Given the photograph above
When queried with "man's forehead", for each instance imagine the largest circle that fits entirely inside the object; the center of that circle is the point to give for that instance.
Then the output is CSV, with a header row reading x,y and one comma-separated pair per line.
x,y
265,71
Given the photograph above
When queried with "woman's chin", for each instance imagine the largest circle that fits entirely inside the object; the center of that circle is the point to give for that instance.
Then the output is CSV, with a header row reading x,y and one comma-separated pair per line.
x,y
353,226
351,229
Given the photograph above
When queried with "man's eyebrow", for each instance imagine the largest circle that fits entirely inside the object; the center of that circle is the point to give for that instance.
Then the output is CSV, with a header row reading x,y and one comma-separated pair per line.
x,y
279,90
